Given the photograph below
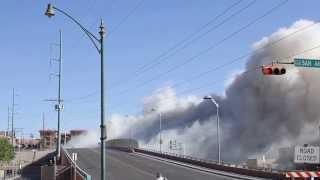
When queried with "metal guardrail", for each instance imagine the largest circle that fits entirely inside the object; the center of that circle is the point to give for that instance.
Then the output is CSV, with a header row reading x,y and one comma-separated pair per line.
x,y
211,164
80,171
223,163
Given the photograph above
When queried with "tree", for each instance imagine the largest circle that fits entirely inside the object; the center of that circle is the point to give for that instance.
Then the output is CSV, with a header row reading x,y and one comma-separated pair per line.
x,y
6,150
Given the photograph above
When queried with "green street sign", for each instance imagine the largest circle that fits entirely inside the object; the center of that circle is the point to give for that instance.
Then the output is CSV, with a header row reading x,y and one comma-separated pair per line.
x,y
307,62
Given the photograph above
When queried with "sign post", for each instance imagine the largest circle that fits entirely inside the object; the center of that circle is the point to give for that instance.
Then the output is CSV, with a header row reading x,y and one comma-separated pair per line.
x,y
308,154
313,63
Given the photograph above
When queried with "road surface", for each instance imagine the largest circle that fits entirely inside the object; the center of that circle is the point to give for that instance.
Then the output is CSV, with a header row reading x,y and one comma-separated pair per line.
x,y
131,166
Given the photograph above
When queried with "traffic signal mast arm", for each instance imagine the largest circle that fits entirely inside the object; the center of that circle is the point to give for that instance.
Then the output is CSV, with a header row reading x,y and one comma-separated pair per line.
x,y
277,62
274,68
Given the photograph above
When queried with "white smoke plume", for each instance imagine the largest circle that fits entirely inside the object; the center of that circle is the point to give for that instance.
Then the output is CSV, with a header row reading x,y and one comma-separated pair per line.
x,y
257,112
89,139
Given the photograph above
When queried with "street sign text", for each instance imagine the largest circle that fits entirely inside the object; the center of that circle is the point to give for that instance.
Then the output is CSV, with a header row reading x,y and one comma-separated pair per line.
x,y
309,154
307,62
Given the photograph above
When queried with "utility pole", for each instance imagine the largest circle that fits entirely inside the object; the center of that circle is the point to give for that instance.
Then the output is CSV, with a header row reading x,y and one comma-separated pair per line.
x,y
43,128
43,119
8,123
59,106
12,117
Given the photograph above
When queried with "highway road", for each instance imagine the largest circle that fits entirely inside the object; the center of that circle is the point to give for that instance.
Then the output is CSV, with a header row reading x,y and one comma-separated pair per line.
x,y
132,166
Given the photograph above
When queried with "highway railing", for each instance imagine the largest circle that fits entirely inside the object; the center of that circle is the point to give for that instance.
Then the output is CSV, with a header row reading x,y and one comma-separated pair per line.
x,y
212,164
80,172
213,161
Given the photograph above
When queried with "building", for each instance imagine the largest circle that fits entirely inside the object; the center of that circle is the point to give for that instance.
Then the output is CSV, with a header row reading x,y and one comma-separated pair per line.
x,y
77,132
260,162
3,134
28,142
7,135
65,137
48,138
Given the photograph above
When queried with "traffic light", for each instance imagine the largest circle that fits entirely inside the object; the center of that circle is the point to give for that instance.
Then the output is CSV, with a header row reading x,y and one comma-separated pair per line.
x,y
273,70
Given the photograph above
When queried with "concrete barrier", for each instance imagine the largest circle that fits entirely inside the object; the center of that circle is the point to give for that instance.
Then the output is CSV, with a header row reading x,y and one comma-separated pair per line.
x,y
215,166
124,149
125,143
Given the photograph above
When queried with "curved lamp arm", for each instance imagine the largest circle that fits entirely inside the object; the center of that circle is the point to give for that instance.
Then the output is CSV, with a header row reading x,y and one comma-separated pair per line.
x,y
215,102
212,100
91,36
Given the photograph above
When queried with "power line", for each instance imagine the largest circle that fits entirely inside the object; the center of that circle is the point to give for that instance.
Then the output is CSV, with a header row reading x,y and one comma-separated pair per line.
x,y
203,34
125,18
83,97
258,67
159,59
242,57
113,30
147,66
89,10
245,73
207,49
190,35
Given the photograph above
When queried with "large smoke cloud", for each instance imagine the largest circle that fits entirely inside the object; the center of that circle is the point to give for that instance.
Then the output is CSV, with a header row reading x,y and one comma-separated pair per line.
x,y
258,113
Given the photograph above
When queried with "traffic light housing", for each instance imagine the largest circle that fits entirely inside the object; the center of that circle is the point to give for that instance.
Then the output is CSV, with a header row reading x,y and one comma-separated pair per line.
x,y
273,70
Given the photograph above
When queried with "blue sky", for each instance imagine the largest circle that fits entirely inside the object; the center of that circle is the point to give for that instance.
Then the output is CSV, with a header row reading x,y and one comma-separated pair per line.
x,y
155,26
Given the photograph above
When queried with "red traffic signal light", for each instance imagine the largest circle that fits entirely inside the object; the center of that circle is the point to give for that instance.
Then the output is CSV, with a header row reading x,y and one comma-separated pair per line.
x,y
267,70
271,70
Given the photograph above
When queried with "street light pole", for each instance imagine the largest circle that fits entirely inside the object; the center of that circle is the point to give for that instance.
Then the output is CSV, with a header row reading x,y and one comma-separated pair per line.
x,y
218,134
160,129
102,124
96,42
160,141
218,124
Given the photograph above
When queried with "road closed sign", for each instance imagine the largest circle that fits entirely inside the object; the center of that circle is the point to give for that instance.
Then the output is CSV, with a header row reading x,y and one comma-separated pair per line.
x,y
309,154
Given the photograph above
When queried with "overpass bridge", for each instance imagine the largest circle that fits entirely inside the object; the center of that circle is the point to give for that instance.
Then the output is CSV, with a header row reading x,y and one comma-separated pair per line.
x,y
137,166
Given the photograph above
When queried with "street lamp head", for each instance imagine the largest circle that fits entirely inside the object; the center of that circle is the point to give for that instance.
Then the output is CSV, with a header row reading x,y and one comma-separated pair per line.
x,y
207,97
211,99
50,11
